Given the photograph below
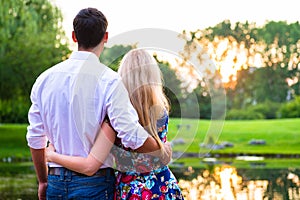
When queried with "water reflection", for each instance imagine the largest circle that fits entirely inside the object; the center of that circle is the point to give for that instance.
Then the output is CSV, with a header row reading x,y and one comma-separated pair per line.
x,y
226,183
214,183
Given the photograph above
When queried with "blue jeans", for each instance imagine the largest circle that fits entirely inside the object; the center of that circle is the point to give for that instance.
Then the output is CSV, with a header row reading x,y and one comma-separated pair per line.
x,y
68,186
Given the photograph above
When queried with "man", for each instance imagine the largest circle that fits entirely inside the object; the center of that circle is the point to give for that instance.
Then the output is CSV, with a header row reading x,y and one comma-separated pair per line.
x,y
69,102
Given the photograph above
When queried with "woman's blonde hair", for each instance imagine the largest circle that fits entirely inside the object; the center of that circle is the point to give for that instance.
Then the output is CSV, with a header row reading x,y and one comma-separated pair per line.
x,y
143,80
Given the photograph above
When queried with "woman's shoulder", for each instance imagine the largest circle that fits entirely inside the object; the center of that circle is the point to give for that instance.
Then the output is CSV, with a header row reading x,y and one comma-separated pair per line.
x,y
162,126
164,115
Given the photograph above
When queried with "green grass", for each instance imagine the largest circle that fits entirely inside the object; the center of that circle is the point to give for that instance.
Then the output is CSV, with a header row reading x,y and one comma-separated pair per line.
x,y
239,164
13,141
281,136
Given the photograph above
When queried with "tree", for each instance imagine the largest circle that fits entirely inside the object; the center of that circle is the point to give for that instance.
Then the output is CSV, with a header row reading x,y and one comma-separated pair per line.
x,y
274,50
32,40
171,88
269,84
283,52
113,55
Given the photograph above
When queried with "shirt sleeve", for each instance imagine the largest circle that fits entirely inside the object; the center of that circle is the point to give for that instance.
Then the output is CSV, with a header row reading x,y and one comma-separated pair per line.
x,y
123,117
35,136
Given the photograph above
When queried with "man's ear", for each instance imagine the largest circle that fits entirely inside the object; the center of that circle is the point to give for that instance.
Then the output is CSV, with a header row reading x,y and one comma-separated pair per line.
x,y
74,36
105,38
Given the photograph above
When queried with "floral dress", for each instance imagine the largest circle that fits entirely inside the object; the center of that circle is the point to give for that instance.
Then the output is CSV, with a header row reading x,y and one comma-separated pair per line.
x,y
142,176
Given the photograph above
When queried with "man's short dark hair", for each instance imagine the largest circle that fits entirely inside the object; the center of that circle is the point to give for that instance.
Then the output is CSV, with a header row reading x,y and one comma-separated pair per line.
x,y
89,26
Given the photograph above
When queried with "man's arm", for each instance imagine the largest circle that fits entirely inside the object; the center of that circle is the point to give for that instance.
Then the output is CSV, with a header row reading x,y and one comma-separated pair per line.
x,y
150,145
124,120
37,141
38,158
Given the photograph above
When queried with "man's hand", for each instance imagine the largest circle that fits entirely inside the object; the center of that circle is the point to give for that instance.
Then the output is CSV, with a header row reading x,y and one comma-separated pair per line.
x,y
167,154
49,152
42,191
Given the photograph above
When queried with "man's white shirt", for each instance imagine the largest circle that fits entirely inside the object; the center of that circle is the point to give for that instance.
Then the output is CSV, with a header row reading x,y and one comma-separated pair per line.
x,y
70,101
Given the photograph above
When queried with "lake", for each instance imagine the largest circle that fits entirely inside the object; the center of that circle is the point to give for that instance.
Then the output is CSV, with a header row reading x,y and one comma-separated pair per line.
x,y
18,181
228,183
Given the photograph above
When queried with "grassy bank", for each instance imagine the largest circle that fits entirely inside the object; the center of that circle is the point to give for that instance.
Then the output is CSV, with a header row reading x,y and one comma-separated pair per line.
x,y
281,136
239,164
13,142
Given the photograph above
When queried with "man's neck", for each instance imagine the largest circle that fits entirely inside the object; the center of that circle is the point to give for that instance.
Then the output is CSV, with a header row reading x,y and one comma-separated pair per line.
x,y
96,51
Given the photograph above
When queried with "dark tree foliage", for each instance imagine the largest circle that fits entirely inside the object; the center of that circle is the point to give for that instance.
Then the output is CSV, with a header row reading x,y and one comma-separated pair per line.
x,y
32,40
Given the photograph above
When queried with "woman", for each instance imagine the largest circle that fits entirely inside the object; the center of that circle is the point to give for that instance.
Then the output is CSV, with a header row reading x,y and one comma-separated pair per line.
x,y
139,176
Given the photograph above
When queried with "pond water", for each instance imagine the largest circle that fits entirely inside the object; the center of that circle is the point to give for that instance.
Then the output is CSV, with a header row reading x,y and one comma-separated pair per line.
x,y
229,183
217,183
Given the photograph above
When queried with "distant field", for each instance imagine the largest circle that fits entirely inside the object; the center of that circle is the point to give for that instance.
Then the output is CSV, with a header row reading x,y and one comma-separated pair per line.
x,y
13,141
281,136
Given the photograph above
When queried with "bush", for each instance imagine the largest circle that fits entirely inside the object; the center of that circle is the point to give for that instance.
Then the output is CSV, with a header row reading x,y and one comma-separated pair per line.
x,y
14,110
247,114
291,109
268,109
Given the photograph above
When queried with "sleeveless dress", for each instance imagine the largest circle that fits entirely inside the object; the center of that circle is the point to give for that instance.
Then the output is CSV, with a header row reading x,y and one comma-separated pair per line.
x,y
141,176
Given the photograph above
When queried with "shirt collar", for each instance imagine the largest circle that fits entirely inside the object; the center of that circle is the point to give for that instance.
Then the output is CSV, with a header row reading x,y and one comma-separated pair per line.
x,y
83,55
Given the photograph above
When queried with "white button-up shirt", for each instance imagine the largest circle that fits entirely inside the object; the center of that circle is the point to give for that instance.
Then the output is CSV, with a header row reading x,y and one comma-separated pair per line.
x,y
70,101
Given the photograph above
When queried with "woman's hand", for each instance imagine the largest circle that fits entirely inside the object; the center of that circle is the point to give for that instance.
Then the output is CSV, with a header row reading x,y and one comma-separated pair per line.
x,y
166,156
49,152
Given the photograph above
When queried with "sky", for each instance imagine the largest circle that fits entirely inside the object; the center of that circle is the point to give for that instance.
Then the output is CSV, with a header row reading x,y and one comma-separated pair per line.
x,y
180,15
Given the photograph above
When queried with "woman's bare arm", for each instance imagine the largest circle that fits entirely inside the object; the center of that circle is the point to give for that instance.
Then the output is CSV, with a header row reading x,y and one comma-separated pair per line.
x,y
91,164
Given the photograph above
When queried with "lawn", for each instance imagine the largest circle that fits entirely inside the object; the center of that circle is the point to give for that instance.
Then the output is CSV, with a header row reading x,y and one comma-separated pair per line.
x,y
13,141
239,164
281,136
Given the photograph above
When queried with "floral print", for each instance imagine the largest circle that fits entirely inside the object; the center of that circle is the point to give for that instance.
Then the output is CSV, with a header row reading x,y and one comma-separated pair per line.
x,y
142,176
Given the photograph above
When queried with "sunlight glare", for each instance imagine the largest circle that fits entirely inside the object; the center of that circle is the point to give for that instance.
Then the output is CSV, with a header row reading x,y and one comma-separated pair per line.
x,y
224,184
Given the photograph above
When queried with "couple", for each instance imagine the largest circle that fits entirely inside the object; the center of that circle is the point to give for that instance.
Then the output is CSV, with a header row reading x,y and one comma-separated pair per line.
x,y
91,115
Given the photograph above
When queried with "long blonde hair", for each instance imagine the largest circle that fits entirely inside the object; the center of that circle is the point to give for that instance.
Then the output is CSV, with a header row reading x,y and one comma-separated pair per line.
x,y
143,80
